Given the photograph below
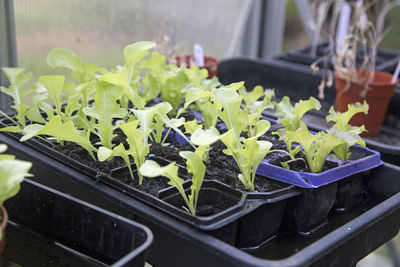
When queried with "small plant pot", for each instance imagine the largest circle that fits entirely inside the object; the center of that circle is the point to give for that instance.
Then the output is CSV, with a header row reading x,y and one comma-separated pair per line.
x,y
3,225
210,63
309,211
263,222
352,192
217,203
378,97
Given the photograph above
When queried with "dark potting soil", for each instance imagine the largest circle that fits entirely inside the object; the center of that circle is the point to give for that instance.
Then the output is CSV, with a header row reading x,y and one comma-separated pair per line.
x,y
79,154
224,169
149,185
170,151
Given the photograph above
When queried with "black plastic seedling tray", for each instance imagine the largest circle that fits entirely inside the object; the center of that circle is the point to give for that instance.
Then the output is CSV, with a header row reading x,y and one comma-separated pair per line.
x,y
226,224
386,59
298,82
343,241
50,228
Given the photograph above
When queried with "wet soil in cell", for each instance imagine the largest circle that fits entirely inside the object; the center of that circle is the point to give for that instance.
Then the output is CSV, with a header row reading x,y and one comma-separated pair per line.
x,y
149,185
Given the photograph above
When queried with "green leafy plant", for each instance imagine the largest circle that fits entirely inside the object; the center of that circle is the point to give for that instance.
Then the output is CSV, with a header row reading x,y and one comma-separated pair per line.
x,y
61,131
316,147
345,131
138,147
195,166
104,110
12,173
254,107
292,115
65,58
17,78
247,152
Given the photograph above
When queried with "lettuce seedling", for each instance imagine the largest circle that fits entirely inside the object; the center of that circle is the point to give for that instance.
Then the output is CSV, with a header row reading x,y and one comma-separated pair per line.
x,y
138,147
122,77
54,85
191,126
342,128
195,166
316,147
65,58
128,76
104,110
17,78
60,131
204,102
151,122
247,152
292,115
254,108
169,80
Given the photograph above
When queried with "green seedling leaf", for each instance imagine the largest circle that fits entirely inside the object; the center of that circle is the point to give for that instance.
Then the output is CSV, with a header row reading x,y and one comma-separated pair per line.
x,y
205,137
105,108
151,169
252,96
152,119
197,168
235,86
204,99
229,111
151,87
65,58
135,52
12,173
61,131
104,153
196,75
54,86
138,145
292,115
191,126
316,147
62,57
351,137
288,142
173,87
122,78
343,130
342,119
17,78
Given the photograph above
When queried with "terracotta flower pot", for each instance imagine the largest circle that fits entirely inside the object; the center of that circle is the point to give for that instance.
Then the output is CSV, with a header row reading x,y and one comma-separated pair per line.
x,y
3,224
378,97
211,63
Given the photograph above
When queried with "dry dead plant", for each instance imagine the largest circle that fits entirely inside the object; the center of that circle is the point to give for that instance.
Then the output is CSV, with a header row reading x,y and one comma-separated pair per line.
x,y
362,40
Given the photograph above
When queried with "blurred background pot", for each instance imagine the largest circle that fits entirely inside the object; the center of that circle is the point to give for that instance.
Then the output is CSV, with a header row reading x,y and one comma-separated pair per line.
x,y
378,97
210,63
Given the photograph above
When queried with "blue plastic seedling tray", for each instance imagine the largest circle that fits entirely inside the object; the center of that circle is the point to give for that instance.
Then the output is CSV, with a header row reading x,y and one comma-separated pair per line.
x,y
361,159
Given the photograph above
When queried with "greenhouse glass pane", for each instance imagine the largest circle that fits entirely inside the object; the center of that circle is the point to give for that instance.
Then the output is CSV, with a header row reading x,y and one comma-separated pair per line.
x,y
98,30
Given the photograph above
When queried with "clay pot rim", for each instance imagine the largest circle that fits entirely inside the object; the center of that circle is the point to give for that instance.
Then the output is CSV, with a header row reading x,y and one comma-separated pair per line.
x,y
206,58
4,213
373,83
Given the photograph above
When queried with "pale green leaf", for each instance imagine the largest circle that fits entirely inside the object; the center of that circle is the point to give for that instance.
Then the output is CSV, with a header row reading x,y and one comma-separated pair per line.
x,y
205,137
62,57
